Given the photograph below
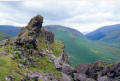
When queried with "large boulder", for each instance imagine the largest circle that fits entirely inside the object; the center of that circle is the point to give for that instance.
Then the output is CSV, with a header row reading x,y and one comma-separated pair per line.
x,y
94,69
99,71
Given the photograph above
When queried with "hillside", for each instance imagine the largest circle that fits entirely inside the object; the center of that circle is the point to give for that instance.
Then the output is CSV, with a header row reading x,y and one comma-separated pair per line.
x,y
4,36
107,34
10,30
81,50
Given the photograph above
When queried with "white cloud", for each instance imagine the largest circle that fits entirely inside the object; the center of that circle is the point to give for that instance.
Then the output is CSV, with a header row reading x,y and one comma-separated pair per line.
x,y
82,15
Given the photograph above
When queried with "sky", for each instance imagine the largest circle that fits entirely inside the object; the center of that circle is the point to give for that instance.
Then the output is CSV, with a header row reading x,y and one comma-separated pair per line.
x,y
83,15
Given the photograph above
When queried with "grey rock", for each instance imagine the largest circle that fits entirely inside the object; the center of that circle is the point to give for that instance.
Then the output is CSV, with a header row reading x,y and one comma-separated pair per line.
x,y
104,78
81,68
81,77
66,77
67,69
9,78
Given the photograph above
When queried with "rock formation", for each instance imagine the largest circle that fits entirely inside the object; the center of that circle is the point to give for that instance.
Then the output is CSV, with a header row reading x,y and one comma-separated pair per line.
x,y
30,34
33,44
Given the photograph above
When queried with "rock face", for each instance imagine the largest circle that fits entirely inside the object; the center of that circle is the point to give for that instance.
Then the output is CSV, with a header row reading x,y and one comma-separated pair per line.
x,y
30,34
98,71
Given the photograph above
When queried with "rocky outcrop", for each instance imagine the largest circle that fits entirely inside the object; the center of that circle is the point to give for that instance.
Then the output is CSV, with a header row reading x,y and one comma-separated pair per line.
x,y
30,34
98,71
67,69
29,54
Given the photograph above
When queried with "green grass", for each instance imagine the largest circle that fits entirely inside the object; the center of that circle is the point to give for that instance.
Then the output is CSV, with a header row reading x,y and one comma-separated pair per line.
x,y
45,65
81,50
56,47
9,67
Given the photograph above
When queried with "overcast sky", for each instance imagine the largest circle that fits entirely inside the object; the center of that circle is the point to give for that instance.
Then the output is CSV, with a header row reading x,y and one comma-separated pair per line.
x,y
83,15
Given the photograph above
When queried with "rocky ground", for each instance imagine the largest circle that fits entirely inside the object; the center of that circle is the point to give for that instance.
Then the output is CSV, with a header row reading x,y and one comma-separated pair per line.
x,y
35,56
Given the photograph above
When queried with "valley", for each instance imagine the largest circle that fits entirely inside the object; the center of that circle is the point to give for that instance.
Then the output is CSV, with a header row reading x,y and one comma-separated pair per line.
x,y
78,48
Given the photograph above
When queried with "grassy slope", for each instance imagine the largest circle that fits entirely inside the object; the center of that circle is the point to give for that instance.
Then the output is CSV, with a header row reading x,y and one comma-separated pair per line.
x,y
81,50
8,67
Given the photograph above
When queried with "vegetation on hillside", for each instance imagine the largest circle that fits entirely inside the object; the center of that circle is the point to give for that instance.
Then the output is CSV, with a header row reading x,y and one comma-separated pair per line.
x,y
9,66
81,50
108,35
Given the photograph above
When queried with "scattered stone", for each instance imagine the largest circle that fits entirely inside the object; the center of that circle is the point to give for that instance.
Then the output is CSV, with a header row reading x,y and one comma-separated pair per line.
x,y
9,78
66,77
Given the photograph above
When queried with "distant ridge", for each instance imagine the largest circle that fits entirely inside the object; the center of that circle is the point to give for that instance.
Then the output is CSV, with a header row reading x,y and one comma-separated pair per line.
x,y
10,30
103,32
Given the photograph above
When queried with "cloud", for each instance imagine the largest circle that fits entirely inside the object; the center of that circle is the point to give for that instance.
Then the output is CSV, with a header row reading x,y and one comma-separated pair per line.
x,y
82,15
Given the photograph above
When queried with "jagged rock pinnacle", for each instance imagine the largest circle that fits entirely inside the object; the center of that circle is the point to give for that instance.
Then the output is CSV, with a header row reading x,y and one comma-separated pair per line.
x,y
36,22
30,34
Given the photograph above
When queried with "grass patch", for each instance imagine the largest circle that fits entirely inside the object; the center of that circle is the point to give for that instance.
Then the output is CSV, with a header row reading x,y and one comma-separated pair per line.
x,y
57,48
46,66
42,45
9,67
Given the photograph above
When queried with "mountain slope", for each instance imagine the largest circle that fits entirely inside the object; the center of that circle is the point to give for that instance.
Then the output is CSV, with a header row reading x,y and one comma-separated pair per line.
x,y
107,34
81,50
10,30
4,36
